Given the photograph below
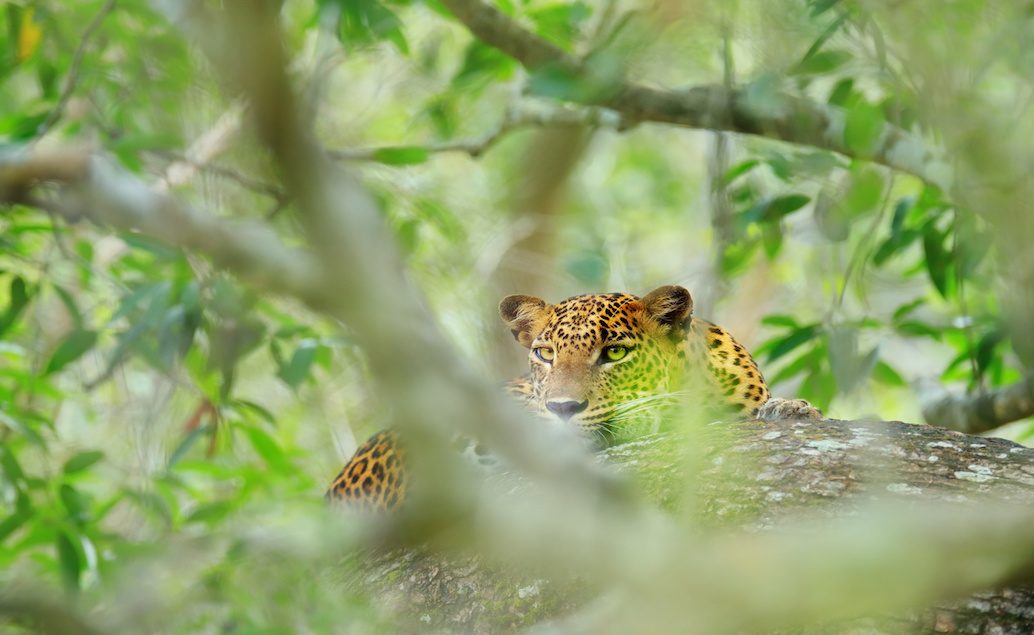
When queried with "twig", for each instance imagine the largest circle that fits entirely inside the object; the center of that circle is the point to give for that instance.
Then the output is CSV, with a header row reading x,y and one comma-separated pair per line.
x,y
204,149
72,79
262,187
477,146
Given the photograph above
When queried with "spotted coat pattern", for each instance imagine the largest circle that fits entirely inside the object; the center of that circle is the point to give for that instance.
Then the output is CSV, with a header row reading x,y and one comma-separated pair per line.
x,y
375,478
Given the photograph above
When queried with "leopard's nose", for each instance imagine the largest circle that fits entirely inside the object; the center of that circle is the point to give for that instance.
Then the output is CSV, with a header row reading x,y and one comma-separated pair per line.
x,y
566,409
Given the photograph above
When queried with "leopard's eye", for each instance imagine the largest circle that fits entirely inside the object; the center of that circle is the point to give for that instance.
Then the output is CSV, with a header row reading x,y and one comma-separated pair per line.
x,y
545,353
614,353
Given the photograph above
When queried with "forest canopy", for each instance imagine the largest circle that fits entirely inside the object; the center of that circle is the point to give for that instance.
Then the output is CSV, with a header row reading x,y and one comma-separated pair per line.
x,y
239,237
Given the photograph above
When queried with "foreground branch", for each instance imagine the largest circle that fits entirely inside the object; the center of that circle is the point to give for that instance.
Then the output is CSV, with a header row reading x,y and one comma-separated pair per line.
x,y
978,412
775,116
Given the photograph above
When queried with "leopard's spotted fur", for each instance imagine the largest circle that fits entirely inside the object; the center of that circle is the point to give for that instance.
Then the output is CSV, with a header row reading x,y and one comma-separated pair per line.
x,y
665,350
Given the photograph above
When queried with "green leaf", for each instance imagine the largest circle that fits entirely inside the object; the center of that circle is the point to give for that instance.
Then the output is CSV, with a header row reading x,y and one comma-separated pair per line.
x,y
12,523
907,308
72,348
19,299
884,374
81,461
401,155
481,64
152,504
821,40
774,209
364,21
915,328
843,93
21,428
780,347
821,63
740,169
68,559
187,443
297,370
804,362
819,388
787,321
75,502
938,259
986,349
70,305
560,22
863,128
266,447
818,7
9,462
558,82
210,513
771,239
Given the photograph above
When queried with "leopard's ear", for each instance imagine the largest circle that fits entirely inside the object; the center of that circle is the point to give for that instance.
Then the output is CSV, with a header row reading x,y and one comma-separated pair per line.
x,y
670,305
525,315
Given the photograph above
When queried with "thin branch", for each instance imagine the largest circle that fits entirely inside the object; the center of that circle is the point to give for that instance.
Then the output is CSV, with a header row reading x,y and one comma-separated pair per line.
x,y
980,412
265,188
512,121
712,107
205,148
72,79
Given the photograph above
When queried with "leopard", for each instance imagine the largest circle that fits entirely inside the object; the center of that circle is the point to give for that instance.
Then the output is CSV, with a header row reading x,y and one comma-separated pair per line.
x,y
596,360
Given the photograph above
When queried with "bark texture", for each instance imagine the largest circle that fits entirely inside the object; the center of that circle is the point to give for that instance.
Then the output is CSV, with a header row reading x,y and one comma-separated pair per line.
x,y
756,474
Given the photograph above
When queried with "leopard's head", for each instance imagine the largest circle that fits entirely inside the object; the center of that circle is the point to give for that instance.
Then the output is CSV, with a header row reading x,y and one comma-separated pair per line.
x,y
593,357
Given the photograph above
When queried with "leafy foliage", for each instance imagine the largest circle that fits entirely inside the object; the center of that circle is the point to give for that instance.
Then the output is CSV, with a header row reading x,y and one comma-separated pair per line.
x,y
146,398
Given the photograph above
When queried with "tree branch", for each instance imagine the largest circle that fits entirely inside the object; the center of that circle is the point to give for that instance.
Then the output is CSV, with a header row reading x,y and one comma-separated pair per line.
x,y
979,412
99,190
512,121
713,107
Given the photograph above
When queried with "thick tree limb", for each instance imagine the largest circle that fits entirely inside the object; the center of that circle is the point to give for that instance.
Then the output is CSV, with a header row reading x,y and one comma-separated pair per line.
x,y
978,412
775,116
907,569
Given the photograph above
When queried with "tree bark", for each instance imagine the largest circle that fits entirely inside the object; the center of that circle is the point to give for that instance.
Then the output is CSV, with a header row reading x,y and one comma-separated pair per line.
x,y
756,476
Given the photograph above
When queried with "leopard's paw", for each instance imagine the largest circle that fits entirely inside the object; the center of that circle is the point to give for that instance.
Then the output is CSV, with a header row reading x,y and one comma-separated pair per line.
x,y
776,409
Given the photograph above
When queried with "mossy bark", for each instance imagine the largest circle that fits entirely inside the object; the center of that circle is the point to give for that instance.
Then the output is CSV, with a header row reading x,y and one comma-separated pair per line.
x,y
746,475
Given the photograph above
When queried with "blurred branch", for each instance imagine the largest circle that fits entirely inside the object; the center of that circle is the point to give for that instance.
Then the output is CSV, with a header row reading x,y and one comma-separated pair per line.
x,y
712,107
248,182
206,148
47,616
513,120
722,215
979,412
99,190
72,79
